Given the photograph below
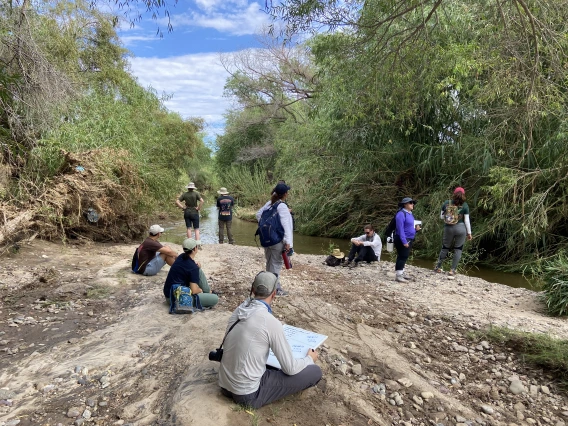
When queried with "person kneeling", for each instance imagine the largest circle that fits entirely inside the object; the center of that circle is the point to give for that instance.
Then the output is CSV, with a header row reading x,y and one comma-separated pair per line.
x,y
242,374
367,247
187,272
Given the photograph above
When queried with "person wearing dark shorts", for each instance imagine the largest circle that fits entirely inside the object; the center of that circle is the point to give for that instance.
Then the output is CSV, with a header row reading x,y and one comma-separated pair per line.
x,y
243,375
193,204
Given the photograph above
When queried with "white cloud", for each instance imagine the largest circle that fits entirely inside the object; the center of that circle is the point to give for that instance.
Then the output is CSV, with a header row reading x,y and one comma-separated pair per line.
x,y
233,17
196,82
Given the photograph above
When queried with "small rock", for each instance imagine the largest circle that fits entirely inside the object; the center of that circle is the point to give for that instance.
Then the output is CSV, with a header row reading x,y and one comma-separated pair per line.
x,y
79,422
459,348
103,404
516,387
87,414
357,369
91,402
7,394
530,421
544,390
12,422
533,390
460,419
342,368
73,412
392,385
412,314
427,395
487,409
519,406
405,382
418,400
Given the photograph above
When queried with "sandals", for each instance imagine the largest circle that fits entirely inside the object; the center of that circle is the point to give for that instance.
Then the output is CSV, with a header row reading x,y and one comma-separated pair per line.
x,y
438,270
452,273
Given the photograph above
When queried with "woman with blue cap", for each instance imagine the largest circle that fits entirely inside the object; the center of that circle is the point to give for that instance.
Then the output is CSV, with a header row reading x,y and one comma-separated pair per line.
x,y
404,235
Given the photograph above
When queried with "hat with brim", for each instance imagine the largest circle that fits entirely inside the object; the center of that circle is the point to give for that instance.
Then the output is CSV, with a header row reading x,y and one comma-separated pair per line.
x,y
190,185
156,229
264,284
406,200
338,254
223,191
281,189
189,244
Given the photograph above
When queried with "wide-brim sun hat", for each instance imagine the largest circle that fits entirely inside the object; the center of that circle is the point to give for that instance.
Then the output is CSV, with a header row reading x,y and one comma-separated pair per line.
x,y
190,185
338,254
223,191
406,200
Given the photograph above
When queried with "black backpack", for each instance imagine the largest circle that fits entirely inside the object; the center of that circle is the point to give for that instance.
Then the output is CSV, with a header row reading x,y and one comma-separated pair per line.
x,y
390,230
332,261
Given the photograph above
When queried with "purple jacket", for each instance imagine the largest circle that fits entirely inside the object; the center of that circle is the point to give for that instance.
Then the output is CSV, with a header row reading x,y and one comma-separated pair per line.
x,y
405,226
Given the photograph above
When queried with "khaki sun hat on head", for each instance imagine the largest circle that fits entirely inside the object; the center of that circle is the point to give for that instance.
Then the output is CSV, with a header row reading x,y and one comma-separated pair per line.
x,y
338,254
156,229
190,185
264,284
189,244
223,191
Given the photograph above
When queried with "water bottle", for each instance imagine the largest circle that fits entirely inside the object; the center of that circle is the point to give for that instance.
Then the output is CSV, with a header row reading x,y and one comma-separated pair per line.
x,y
390,244
286,259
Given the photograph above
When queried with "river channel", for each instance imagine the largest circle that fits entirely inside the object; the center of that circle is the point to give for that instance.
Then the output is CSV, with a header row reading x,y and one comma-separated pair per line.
x,y
243,233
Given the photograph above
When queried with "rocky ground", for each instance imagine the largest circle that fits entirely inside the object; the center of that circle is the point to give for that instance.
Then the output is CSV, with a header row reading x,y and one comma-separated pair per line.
x,y
84,341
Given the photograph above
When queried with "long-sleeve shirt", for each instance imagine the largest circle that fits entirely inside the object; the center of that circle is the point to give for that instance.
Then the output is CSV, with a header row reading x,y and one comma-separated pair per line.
x,y
405,226
247,346
285,220
374,242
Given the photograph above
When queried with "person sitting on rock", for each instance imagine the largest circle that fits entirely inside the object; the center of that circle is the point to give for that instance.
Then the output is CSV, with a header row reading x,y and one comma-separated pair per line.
x,y
367,247
152,256
243,375
187,272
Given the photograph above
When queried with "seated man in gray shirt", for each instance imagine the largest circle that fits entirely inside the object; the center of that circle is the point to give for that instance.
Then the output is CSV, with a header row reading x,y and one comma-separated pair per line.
x,y
242,373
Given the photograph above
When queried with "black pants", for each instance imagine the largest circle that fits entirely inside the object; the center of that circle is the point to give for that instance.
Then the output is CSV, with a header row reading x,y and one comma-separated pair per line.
x,y
363,253
402,252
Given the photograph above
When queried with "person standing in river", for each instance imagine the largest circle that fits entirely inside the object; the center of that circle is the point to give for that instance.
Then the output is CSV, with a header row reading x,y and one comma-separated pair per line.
x,y
193,204
225,205
404,236
455,214
273,253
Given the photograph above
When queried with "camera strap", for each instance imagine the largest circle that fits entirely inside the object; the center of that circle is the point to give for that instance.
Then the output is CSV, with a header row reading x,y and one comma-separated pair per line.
x,y
226,334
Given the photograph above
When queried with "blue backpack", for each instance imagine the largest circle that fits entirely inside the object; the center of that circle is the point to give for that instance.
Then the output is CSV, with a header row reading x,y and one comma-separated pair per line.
x,y
135,259
270,230
182,301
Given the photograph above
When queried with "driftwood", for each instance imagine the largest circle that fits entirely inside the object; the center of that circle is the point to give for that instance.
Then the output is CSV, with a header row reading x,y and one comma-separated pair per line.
x,y
14,225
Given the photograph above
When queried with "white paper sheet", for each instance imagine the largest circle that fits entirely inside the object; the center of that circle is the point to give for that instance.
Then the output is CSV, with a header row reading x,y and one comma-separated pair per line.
x,y
300,341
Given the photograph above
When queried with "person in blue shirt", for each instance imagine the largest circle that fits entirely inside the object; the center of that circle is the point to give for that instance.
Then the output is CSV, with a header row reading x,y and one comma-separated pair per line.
x,y
187,272
404,236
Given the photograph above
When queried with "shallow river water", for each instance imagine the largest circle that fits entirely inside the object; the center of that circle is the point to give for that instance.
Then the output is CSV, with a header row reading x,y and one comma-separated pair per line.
x,y
243,233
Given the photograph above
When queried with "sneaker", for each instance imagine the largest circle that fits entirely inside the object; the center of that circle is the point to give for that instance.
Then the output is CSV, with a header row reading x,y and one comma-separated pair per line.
x,y
353,265
400,279
408,277
281,293
347,263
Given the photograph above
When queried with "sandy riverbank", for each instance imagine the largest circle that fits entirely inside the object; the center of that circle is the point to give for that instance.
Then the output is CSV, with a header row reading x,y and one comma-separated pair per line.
x,y
82,337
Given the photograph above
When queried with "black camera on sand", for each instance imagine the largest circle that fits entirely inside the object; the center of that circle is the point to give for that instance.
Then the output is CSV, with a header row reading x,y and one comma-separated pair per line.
x,y
216,355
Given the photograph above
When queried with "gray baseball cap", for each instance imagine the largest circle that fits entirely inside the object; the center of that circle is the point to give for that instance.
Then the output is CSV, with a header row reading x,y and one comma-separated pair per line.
x,y
264,284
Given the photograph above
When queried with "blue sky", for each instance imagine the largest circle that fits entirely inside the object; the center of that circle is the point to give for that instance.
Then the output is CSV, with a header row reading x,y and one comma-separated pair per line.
x,y
186,62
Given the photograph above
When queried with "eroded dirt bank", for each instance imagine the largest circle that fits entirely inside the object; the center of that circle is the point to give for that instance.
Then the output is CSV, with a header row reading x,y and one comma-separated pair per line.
x,y
84,341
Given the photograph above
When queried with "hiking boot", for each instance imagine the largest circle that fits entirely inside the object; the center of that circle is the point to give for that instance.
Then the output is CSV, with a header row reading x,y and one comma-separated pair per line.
x,y
353,265
347,263
281,293
400,279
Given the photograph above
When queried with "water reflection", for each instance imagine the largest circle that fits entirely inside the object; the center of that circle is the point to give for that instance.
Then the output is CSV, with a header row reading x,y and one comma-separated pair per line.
x,y
244,235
